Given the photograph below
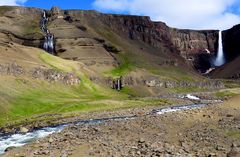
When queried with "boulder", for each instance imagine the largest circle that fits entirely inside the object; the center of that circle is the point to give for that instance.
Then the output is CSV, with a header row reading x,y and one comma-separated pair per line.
x,y
9,148
23,130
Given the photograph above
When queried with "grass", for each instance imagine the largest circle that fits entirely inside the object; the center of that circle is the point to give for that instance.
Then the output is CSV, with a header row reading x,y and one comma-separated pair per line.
x,y
31,27
131,57
173,73
4,9
125,67
46,98
24,99
185,89
58,63
231,83
223,94
234,134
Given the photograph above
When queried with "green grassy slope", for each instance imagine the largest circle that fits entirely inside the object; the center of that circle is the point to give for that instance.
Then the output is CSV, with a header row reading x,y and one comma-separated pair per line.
x,y
26,98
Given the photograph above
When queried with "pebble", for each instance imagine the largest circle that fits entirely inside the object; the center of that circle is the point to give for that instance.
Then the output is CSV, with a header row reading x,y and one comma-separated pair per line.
x,y
50,140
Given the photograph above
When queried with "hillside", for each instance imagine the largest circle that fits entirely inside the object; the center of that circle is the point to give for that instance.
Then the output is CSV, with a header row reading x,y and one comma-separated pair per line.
x,y
92,49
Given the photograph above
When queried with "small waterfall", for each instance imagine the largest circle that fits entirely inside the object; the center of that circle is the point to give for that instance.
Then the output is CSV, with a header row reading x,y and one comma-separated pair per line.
x,y
48,44
220,59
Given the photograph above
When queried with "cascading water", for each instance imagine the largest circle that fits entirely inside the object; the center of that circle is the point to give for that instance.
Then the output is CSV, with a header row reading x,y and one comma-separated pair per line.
x,y
220,59
49,37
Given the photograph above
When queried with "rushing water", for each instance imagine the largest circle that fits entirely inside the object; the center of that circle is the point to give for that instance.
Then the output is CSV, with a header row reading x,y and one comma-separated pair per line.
x,y
220,60
48,44
17,140
179,108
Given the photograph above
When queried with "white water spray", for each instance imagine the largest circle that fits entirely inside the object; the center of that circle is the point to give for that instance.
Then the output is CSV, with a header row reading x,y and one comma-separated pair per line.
x,y
44,14
220,60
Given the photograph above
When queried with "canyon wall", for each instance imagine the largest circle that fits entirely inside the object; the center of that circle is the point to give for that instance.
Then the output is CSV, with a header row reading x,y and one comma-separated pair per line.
x,y
231,40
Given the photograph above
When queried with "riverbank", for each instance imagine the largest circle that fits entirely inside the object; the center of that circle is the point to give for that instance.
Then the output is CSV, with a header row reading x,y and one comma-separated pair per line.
x,y
124,108
130,108
213,130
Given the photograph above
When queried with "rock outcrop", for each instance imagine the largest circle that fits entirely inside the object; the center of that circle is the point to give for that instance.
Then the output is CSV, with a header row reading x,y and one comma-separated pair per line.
x,y
55,76
159,35
231,40
152,82
50,75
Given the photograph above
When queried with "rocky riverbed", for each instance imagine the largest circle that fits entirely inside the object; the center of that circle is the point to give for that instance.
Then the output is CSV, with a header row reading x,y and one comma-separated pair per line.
x,y
210,131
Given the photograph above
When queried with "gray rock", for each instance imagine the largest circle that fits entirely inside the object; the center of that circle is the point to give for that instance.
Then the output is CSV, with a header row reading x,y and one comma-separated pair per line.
x,y
50,140
23,130
9,149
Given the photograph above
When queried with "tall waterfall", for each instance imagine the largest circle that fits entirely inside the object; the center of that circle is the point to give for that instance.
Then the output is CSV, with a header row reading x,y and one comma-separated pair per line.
x,y
220,59
48,44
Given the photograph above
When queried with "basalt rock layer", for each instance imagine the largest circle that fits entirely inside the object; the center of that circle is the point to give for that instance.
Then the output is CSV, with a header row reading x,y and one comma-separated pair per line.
x,y
194,46
231,42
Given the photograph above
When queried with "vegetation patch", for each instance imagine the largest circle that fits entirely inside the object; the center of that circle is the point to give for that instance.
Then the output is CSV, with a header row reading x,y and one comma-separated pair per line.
x,y
234,134
223,94
28,99
124,67
4,9
186,89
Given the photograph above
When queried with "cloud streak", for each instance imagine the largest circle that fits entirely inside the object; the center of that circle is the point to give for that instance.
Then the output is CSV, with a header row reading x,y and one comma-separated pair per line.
x,y
194,14
12,2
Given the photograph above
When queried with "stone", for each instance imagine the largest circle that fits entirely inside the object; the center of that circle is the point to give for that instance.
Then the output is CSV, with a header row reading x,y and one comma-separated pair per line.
x,y
55,11
50,140
23,130
233,154
64,154
235,151
138,153
141,140
9,148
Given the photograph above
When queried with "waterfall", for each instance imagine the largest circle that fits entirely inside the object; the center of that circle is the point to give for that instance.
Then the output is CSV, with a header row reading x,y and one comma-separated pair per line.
x,y
48,44
220,59
44,15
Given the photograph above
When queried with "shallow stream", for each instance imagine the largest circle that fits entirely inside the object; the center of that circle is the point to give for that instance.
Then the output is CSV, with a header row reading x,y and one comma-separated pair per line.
x,y
18,140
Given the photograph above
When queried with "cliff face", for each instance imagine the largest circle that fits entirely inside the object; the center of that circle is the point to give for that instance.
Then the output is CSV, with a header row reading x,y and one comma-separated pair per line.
x,y
157,34
196,47
21,25
194,42
231,40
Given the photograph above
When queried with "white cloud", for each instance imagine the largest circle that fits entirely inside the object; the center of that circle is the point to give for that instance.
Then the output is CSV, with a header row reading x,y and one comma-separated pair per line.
x,y
12,2
194,14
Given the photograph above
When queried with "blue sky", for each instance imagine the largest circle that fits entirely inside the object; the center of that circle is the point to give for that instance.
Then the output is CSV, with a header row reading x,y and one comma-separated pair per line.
x,y
193,14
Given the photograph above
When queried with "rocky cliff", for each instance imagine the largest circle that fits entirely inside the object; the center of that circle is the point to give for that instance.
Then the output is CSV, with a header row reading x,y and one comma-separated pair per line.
x,y
195,46
157,34
231,40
